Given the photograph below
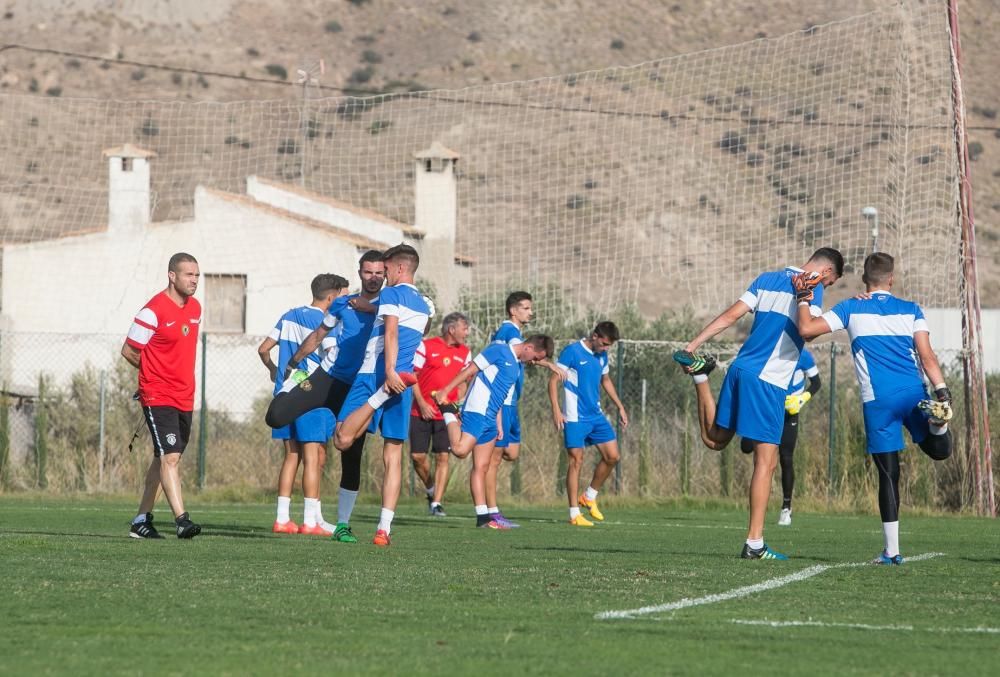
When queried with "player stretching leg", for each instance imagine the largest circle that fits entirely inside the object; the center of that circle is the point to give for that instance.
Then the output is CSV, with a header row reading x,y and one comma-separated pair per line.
x,y
495,371
304,438
886,332
380,397
797,397
436,362
751,403
582,421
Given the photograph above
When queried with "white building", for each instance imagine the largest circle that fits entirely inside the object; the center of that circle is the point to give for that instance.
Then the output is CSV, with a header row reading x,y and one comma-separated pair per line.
x,y
257,252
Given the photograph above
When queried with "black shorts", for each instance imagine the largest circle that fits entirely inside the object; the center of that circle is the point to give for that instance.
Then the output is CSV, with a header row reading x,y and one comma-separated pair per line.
x,y
422,433
170,429
319,390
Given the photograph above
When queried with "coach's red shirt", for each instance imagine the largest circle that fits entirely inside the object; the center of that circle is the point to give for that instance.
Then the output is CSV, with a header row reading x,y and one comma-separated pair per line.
x,y
436,363
167,336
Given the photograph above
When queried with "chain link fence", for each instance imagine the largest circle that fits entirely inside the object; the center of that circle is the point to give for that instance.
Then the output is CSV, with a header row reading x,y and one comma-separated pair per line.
x,y
66,425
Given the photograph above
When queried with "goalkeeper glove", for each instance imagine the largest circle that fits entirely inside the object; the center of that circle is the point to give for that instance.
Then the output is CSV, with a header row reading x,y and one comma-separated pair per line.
x,y
938,410
794,403
804,284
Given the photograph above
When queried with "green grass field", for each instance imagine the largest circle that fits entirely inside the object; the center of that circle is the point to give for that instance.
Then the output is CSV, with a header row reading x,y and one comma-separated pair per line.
x,y
79,597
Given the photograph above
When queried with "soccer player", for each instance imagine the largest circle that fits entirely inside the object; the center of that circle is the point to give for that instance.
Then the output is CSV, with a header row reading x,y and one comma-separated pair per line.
x,y
352,318
495,371
891,344
751,403
380,397
520,311
161,344
436,362
798,395
304,438
582,421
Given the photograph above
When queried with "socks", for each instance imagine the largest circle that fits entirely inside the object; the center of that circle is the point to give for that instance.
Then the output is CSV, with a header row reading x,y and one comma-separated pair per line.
x,y
380,397
284,503
481,510
786,504
385,520
591,494
755,543
938,430
492,510
140,518
309,511
435,504
891,531
430,490
345,505
574,512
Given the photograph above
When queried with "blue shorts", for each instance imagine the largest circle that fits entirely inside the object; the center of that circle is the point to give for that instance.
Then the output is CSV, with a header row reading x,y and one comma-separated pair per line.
x,y
886,416
392,419
580,434
750,407
511,421
482,427
313,426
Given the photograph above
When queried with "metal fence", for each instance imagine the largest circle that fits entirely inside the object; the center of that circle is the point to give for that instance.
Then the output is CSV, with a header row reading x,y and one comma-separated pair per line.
x,y
68,419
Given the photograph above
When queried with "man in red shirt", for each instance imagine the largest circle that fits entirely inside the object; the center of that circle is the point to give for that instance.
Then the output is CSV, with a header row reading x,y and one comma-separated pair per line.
x,y
436,362
161,344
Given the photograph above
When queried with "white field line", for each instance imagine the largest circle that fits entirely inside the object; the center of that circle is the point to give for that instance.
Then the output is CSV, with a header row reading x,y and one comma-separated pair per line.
x,y
863,626
737,593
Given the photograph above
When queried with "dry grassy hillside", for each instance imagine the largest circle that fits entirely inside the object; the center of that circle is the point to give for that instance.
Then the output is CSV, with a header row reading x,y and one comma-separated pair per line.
x,y
380,45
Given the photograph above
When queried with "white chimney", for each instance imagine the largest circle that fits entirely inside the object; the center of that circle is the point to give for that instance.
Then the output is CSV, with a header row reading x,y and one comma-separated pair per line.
x,y
128,187
436,214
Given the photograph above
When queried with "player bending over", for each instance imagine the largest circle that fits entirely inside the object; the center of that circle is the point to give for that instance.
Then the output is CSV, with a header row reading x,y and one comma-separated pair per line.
x,y
798,395
495,371
752,401
886,333
380,398
304,438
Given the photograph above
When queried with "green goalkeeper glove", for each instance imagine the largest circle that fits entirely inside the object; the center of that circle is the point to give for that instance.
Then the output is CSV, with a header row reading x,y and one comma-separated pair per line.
x,y
794,403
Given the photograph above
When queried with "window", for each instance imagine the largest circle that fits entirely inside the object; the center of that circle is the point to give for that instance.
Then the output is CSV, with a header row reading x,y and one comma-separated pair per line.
x,y
226,303
126,164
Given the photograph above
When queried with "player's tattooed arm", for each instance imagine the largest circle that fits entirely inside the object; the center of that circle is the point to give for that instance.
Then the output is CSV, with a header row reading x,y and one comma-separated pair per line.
x,y
308,347
724,321
131,355
461,378
810,327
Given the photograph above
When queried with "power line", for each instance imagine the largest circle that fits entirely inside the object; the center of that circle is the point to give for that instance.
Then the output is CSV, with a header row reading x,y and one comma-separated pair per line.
x,y
442,97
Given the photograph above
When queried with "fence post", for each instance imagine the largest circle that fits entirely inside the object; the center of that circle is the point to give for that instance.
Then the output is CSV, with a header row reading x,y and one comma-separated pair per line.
x,y
644,448
619,377
203,416
686,450
100,438
4,436
832,434
41,435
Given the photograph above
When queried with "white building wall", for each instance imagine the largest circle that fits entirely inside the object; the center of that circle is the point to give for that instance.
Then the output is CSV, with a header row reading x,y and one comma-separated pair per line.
x,y
946,334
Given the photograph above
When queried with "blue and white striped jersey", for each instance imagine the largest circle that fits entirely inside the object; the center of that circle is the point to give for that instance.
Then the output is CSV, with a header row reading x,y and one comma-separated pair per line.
x,y
290,331
805,368
584,370
509,333
772,349
499,370
350,331
881,330
404,302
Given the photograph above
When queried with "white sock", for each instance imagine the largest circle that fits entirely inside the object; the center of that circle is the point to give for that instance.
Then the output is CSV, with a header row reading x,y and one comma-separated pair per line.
x,y
435,504
755,543
891,531
481,510
591,494
938,430
380,397
492,511
450,418
574,512
345,505
309,511
140,518
385,520
284,503
699,378
430,490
